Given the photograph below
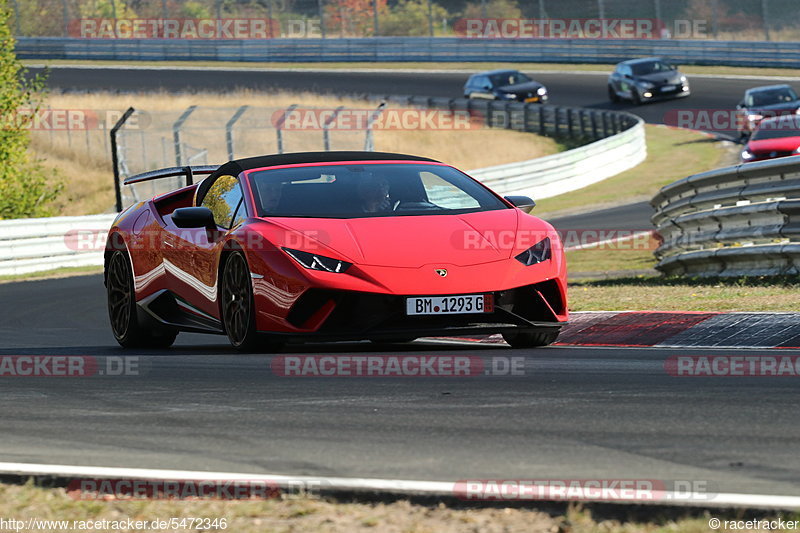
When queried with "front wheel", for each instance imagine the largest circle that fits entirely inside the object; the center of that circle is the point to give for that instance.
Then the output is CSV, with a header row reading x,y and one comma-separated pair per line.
x,y
525,339
612,94
238,312
122,310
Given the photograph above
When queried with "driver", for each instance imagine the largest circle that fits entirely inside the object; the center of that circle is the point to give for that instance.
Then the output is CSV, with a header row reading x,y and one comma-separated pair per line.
x,y
270,193
373,193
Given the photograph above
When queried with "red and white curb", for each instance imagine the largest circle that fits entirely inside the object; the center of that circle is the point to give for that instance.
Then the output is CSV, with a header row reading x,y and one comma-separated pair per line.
x,y
674,330
402,487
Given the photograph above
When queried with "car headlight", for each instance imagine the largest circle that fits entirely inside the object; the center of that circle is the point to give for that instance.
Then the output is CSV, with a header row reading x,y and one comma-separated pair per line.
x,y
536,254
318,262
754,117
541,91
747,155
683,79
797,151
508,96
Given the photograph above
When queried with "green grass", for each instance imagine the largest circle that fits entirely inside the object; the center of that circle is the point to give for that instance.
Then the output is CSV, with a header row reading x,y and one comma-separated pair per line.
x,y
672,154
472,66
655,293
54,273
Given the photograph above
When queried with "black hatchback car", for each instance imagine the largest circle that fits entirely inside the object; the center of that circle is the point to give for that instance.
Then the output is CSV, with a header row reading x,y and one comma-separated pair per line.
x,y
645,80
508,85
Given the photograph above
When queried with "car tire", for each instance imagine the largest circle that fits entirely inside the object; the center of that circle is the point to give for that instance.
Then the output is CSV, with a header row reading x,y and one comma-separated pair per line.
x,y
612,94
527,339
237,306
123,312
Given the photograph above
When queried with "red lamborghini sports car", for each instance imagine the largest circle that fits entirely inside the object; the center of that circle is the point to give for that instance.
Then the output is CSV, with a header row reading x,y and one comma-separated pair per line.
x,y
332,246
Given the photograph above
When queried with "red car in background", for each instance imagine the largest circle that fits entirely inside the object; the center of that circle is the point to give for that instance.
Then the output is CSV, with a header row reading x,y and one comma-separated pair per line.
x,y
774,137
332,246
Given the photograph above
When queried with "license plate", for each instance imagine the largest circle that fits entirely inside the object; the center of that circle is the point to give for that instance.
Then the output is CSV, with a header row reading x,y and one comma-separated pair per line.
x,y
450,305
667,88
532,99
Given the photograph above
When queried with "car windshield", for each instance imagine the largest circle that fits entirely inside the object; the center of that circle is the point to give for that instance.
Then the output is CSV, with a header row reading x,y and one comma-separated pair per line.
x,y
778,95
650,67
369,190
778,128
508,78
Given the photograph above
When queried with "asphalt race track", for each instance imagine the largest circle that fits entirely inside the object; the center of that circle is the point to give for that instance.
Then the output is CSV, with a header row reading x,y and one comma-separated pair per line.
x,y
577,413
569,89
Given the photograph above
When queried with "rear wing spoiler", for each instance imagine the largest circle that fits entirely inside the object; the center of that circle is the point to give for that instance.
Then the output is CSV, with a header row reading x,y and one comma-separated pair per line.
x,y
171,172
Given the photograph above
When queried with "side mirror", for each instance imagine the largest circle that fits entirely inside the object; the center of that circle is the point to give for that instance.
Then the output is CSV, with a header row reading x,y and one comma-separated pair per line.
x,y
194,217
628,76
522,202
487,87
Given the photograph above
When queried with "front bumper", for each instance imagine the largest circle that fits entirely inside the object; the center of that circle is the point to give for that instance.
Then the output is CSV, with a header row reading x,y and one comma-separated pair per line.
x,y
324,314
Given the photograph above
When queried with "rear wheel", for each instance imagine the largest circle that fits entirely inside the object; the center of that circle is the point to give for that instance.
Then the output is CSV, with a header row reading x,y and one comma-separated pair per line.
x,y
122,310
238,313
525,339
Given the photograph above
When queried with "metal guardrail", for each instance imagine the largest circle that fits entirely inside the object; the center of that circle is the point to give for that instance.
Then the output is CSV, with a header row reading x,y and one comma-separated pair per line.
x,y
616,142
742,220
36,244
420,49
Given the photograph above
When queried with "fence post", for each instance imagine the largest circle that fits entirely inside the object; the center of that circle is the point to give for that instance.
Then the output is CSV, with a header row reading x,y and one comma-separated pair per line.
x,y
176,134
279,127
375,27
569,123
321,9
65,15
115,156
556,120
16,17
229,130
542,12
765,16
601,9
593,116
326,132
430,18
369,141
164,11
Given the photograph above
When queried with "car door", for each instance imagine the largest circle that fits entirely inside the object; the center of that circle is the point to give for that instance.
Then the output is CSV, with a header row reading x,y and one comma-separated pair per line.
x,y
192,262
626,80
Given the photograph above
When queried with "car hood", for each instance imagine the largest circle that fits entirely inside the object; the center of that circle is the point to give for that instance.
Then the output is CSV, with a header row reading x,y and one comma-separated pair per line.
x,y
784,144
412,241
529,87
671,77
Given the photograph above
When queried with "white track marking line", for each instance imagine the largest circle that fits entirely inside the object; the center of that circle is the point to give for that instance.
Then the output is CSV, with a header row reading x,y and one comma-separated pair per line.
x,y
398,486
